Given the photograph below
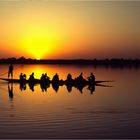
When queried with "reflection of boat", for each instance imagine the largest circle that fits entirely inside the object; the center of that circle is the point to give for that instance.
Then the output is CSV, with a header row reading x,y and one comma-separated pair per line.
x,y
44,85
79,84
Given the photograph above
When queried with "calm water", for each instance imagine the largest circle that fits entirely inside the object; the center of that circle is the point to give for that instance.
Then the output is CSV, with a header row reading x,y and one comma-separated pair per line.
x,y
110,112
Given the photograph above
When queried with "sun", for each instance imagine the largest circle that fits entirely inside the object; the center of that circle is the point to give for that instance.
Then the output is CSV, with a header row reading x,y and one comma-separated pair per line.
x,y
39,42
37,46
38,58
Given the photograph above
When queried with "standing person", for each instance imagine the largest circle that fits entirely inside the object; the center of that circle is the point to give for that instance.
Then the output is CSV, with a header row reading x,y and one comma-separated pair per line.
x,y
10,72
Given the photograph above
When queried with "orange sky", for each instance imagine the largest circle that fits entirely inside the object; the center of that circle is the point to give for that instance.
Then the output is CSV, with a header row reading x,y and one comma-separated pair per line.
x,y
46,29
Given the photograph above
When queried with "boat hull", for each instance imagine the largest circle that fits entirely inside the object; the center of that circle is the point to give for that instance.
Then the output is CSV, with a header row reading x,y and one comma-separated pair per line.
x,y
38,81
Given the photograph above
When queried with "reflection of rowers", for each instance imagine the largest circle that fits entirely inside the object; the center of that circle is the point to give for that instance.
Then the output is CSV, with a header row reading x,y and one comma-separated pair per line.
x,y
22,86
44,81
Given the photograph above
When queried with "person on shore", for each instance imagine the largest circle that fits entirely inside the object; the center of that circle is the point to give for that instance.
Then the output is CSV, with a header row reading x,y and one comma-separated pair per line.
x,y
10,71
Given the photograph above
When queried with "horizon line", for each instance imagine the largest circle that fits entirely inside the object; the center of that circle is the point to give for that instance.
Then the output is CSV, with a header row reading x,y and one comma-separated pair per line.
x,y
109,58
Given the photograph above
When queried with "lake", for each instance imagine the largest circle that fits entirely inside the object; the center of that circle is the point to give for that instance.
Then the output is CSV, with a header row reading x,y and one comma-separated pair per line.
x,y
112,110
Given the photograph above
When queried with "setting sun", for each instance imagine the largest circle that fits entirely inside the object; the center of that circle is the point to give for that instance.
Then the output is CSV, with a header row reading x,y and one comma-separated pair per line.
x,y
37,47
37,42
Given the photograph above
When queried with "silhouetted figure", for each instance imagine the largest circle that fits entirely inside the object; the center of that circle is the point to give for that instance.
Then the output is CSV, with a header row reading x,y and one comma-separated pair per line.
x,y
31,78
43,83
80,82
80,78
21,77
32,81
69,82
10,71
10,90
91,78
24,77
46,77
42,78
55,78
55,82
69,78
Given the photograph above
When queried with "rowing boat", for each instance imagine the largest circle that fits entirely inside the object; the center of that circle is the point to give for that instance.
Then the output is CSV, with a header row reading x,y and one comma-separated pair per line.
x,y
18,80
38,81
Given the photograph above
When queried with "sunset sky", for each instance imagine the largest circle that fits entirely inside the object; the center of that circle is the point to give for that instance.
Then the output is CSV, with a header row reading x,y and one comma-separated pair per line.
x,y
69,29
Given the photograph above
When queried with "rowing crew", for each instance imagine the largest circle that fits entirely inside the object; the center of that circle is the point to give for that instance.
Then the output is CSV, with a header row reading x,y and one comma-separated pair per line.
x,y
55,78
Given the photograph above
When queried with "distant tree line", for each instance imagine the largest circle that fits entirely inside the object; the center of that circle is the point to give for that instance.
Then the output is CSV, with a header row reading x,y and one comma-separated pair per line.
x,y
114,62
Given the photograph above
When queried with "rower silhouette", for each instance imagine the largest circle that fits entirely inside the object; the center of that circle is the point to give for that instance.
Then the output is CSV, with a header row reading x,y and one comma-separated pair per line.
x,y
69,82
31,78
91,78
55,78
69,78
31,81
10,71
22,78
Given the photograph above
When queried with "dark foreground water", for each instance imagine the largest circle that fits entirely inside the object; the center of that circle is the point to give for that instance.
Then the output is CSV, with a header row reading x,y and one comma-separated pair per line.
x,y
109,112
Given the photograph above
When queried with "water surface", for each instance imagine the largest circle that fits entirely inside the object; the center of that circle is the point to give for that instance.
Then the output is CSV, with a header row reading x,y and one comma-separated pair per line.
x,y
110,112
